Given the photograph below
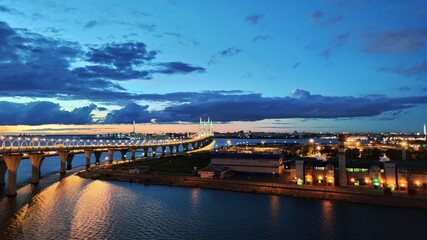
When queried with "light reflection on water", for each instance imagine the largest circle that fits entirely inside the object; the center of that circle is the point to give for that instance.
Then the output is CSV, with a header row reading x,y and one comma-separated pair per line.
x,y
76,208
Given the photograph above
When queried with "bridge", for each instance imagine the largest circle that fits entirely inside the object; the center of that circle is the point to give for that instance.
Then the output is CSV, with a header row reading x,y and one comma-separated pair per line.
x,y
14,149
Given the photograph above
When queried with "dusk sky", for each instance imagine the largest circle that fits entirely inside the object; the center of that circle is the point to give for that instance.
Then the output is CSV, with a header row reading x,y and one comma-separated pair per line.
x,y
247,64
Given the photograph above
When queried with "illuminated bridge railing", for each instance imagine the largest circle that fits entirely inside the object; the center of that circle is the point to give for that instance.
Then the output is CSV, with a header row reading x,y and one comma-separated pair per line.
x,y
20,144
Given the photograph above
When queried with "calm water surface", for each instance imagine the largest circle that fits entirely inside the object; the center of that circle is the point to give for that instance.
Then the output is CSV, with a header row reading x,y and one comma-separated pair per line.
x,y
75,208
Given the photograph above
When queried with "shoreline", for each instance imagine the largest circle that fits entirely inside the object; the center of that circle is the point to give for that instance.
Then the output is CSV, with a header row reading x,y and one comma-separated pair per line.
x,y
361,196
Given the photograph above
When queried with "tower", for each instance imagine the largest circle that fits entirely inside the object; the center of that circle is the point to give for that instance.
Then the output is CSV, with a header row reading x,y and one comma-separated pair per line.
x,y
205,126
425,130
133,129
342,172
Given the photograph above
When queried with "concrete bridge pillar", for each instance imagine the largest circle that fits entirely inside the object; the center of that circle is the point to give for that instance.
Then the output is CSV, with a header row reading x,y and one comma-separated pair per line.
x,y
12,163
123,152
97,157
62,158
132,151
153,151
40,171
163,151
185,146
70,158
36,162
88,153
171,150
3,169
145,152
110,155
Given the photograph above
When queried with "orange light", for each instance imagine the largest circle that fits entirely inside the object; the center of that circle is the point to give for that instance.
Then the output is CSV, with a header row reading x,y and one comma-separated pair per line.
x,y
352,180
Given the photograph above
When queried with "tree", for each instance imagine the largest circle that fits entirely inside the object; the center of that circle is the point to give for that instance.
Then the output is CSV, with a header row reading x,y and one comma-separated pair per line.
x,y
352,153
307,149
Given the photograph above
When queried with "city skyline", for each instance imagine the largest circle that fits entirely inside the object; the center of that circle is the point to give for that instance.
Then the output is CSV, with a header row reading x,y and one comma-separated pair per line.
x,y
283,66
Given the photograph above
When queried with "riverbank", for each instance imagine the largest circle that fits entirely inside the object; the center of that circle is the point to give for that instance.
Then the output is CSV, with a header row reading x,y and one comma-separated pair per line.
x,y
364,196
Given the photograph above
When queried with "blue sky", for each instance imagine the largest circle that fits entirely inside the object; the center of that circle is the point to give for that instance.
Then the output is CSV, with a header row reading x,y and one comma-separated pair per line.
x,y
275,65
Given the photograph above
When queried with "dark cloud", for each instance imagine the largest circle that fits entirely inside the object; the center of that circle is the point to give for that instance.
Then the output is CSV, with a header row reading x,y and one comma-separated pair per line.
x,y
253,107
261,38
254,18
296,65
224,53
5,9
230,52
395,42
121,55
131,112
91,24
33,65
36,113
178,67
406,71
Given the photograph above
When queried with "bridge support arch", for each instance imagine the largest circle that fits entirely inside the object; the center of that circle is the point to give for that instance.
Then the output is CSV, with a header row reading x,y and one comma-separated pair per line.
x,y
88,153
70,158
97,157
153,151
171,147
185,146
110,155
132,153
36,162
123,152
12,163
62,158
145,152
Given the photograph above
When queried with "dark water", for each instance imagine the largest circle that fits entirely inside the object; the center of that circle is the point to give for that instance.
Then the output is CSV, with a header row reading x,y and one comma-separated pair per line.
x,y
75,208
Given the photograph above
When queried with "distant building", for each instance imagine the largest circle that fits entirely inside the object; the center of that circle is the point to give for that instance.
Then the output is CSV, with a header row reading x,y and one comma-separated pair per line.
x,y
370,173
249,163
212,172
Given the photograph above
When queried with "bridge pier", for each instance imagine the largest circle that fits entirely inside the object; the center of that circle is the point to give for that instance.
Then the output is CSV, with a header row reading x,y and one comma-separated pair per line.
x,y
145,152
88,153
3,169
12,163
70,158
171,150
133,152
36,162
185,146
97,157
153,151
62,158
163,151
123,152
111,155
